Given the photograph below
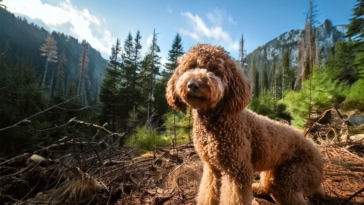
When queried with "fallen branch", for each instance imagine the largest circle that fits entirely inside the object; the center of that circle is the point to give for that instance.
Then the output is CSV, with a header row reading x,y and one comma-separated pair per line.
x,y
27,120
353,195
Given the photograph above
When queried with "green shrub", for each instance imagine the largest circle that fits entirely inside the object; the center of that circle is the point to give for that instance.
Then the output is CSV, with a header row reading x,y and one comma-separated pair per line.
x,y
264,105
180,123
147,139
355,96
318,94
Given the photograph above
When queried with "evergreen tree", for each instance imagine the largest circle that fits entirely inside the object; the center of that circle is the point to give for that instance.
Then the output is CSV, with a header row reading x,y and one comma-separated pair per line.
x,y
173,55
136,60
127,71
242,52
109,94
4,70
356,32
150,69
318,94
287,72
127,59
130,86
20,98
341,63
83,68
356,25
254,75
62,66
48,49
355,98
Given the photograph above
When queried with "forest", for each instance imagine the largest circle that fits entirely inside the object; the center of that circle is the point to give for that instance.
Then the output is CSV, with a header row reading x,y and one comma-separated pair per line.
x,y
68,115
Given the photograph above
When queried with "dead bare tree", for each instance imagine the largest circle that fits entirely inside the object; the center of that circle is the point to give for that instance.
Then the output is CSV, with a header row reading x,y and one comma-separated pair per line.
x,y
48,49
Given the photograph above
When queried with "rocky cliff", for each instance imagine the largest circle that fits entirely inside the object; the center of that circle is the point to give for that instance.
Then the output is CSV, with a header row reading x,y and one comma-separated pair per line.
x,y
264,56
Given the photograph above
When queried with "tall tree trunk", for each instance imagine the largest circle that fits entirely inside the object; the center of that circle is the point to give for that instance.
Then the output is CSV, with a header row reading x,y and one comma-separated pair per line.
x,y
51,89
45,73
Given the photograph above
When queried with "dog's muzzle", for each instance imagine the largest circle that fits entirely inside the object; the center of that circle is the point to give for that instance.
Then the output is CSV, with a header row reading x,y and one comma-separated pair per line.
x,y
193,85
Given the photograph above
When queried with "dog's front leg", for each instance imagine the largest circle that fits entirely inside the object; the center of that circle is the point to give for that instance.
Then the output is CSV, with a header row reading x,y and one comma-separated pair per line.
x,y
209,190
236,187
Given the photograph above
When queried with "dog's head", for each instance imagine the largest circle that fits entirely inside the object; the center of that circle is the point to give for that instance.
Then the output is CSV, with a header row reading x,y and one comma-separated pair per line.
x,y
205,78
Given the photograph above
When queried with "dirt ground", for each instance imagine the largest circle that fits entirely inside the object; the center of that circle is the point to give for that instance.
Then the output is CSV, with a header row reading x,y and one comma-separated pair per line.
x,y
165,177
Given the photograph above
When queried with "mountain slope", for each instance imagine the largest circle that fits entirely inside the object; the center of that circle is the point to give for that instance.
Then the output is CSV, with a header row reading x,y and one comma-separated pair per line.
x,y
19,39
264,56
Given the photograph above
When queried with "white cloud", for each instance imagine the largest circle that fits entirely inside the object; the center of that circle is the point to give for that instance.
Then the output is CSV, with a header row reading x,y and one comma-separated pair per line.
x,y
66,18
201,32
231,20
149,41
216,17
164,60
169,9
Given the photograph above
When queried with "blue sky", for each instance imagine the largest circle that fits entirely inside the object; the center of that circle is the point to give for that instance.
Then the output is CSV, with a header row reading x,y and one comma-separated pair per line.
x,y
198,21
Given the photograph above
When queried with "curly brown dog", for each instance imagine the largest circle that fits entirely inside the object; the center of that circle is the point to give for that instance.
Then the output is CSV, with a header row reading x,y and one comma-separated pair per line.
x,y
233,142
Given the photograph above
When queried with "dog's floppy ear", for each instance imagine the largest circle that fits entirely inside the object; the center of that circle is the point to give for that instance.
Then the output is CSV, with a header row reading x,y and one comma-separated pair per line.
x,y
172,98
238,92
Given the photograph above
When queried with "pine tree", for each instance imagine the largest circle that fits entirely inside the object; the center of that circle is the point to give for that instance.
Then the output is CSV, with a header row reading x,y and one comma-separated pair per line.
x,y
109,94
150,69
136,60
242,52
127,59
356,25
318,94
62,66
287,72
83,68
160,103
19,100
130,89
173,55
341,63
274,73
254,76
356,32
48,49
127,73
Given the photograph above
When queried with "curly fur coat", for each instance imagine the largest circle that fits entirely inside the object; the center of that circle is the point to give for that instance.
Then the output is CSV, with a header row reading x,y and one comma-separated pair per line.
x,y
233,142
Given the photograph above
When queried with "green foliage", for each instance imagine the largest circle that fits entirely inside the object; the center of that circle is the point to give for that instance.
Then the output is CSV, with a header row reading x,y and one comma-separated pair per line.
x,y
265,105
173,55
318,93
341,63
160,102
254,75
61,70
130,93
20,39
20,98
356,25
110,90
148,76
178,124
355,96
147,139
175,122
288,77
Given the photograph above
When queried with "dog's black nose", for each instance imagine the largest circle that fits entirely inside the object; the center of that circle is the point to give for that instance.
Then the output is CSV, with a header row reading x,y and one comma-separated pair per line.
x,y
193,85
